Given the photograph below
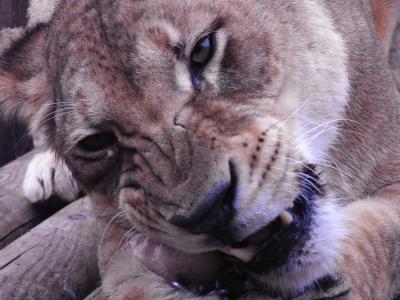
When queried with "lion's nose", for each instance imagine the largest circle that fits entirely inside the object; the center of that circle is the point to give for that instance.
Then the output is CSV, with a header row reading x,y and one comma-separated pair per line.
x,y
214,212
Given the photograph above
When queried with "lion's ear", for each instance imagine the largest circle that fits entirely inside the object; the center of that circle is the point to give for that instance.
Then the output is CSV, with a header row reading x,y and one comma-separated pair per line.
x,y
24,89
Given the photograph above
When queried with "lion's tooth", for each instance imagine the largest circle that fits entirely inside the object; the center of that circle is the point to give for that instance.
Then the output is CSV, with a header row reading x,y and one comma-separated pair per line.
x,y
286,218
243,254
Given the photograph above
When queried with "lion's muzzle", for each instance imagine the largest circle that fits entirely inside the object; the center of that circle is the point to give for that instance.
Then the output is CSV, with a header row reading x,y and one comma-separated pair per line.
x,y
212,215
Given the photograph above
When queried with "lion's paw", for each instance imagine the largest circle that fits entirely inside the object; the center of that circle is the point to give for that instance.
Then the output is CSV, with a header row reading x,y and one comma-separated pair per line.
x,y
47,176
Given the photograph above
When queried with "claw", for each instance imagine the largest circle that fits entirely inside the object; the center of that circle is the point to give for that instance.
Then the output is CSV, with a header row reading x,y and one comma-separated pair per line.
x,y
286,218
177,285
243,254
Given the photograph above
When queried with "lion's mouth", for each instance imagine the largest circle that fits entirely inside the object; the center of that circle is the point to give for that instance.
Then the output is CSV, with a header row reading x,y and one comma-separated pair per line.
x,y
267,248
271,246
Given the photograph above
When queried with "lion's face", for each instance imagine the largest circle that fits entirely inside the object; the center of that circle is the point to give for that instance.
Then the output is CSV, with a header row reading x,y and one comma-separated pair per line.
x,y
201,118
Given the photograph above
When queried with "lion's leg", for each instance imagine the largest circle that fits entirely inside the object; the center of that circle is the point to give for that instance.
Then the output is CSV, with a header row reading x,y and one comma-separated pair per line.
x,y
371,251
125,274
369,265
126,278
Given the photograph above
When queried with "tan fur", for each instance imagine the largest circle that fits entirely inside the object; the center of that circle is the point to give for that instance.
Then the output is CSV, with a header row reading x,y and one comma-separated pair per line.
x,y
291,83
386,15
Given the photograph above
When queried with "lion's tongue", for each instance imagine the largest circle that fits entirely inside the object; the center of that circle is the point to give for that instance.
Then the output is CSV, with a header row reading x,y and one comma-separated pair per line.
x,y
193,270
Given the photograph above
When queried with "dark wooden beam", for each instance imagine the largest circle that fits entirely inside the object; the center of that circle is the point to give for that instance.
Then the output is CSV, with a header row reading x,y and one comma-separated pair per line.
x,y
13,13
14,140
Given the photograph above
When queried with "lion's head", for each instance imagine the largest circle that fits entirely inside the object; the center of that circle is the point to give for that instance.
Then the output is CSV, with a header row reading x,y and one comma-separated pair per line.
x,y
208,122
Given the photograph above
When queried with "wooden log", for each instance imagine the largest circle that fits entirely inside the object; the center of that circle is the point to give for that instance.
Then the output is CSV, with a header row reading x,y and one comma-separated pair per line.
x,y
56,260
17,215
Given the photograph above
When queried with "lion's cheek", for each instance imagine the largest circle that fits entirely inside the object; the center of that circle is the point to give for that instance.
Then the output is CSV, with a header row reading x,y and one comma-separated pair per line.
x,y
195,271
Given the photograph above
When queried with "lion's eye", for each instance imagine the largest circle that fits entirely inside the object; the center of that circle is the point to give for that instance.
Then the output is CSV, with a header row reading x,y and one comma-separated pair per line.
x,y
97,142
203,52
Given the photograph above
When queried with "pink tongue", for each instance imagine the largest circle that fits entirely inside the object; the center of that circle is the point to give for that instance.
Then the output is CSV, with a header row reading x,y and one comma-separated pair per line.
x,y
193,270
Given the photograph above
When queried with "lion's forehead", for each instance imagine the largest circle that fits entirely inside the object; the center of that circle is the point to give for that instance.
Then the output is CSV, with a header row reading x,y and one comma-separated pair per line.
x,y
112,66
115,61
97,28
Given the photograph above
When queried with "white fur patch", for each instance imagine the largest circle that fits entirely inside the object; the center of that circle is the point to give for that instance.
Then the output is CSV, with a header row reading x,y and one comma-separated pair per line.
x,y
321,251
183,79
211,72
173,34
41,11
47,176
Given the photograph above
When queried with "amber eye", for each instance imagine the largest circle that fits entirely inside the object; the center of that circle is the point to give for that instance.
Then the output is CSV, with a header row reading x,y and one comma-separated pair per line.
x,y
203,52
97,142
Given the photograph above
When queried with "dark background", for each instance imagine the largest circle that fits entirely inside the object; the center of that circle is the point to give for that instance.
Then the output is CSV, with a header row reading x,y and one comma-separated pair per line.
x,y
13,12
13,136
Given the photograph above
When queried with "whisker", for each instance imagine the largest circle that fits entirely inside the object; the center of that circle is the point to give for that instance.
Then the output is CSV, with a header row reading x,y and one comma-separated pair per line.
x,y
116,218
324,129
296,111
127,237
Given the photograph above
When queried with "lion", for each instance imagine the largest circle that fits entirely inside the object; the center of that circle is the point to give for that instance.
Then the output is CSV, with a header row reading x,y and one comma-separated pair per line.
x,y
241,149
